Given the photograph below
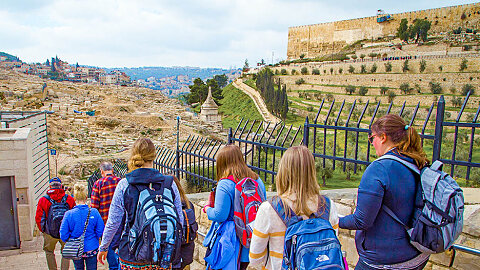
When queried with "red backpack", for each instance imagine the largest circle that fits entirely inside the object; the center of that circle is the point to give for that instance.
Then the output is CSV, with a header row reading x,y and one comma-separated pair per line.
x,y
248,198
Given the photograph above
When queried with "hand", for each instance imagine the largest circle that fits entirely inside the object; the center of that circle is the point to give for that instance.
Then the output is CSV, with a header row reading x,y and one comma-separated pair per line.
x,y
205,208
102,255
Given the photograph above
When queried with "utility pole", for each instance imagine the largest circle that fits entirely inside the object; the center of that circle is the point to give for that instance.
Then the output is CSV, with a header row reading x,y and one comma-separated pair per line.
x,y
272,57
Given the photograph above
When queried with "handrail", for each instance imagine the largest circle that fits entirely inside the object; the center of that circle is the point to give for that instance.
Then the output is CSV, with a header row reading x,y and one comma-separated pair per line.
x,y
465,249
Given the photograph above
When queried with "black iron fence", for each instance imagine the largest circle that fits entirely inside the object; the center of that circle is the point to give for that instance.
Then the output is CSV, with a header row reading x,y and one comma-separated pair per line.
x,y
338,138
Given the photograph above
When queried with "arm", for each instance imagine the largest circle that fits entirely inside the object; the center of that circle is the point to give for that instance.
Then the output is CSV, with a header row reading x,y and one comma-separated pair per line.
x,y
223,203
178,202
65,231
115,215
369,201
260,237
95,196
261,185
333,216
40,213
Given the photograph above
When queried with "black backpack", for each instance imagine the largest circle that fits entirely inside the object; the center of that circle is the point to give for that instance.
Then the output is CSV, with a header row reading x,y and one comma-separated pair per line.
x,y
55,216
190,228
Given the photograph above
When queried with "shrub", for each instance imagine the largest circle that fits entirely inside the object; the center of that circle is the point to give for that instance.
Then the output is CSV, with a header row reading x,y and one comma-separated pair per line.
x,y
383,90
350,89
374,68
330,97
468,88
362,56
304,70
453,90
283,71
362,91
391,96
463,64
302,56
310,108
294,71
354,56
457,101
435,88
277,72
440,68
388,67
423,65
315,71
363,69
351,69
405,88
340,70
331,70
405,67
299,81
372,55
418,88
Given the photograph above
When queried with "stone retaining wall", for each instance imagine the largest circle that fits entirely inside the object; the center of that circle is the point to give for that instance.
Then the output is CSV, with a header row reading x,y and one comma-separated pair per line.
x,y
345,200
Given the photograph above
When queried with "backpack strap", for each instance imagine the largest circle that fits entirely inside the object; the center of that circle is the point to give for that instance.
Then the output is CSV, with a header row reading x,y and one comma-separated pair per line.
x,y
437,165
86,223
279,208
394,216
323,211
49,199
407,164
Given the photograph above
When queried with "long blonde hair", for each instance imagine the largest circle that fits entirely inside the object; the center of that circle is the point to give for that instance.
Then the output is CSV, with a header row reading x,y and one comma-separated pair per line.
x,y
297,175
143,150
230,162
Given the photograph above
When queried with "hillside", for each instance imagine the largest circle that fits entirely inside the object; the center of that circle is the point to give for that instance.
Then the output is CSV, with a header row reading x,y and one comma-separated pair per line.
x,y
144,73
8,57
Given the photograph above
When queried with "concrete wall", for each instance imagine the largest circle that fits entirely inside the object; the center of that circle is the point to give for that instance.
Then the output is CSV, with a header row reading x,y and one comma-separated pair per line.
x,y
345,200
324,38
16,160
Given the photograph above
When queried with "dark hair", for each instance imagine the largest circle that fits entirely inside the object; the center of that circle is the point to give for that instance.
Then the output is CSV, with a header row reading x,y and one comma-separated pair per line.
x,y
230,162
404,137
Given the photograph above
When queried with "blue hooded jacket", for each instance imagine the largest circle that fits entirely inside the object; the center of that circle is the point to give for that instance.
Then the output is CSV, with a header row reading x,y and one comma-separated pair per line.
x,y
74,221
222,240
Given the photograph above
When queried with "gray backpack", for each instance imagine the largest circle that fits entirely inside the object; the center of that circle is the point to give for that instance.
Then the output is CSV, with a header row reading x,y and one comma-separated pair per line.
x,y
438,219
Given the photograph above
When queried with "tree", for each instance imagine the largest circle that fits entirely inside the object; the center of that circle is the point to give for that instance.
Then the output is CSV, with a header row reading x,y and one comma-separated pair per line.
x,y
391,96
262,62
362,91
420,30
362,56
363,69
383,90
354,56
283,71
374,68
351,69
435,88
405,88
423,65
216,90
402,31
463,65
315,71
440,68
405,67
294,71
47,63
331,70
372,55
418,88
468,88
388,67
340,70
302,56
221,80
299,81
350,89
198,91
246,66
456,101
304,71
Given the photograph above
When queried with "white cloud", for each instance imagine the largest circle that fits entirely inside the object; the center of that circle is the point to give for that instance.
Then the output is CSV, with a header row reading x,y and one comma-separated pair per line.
x,y
208,33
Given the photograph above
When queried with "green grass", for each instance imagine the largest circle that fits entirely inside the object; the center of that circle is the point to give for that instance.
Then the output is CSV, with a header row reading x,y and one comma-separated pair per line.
x,y
251,83
235,105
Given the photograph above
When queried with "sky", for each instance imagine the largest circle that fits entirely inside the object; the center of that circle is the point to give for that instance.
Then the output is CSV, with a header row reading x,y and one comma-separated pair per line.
x,y
200,33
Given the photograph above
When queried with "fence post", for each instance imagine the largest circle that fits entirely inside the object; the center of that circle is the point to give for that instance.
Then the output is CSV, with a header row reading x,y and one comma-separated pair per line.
x,y
177,152
305,132
437,141
229,138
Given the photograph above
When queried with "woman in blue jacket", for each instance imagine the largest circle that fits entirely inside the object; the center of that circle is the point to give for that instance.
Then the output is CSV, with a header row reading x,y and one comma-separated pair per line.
x,y
73,224
382,242
230,165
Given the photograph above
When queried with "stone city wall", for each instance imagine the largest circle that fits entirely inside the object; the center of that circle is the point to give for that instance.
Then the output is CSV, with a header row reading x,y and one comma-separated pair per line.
x,y
345,200
324,38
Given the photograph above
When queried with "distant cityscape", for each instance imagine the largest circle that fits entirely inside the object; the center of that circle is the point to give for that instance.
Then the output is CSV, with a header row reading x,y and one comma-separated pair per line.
x,y
171,81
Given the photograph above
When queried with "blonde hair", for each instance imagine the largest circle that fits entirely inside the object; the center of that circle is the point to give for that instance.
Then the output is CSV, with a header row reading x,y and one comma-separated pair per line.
x,y
143,151
297,175
230,162
80,192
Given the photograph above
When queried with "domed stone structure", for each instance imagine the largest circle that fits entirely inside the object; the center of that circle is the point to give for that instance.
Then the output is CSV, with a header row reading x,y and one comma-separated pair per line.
x,y
209,110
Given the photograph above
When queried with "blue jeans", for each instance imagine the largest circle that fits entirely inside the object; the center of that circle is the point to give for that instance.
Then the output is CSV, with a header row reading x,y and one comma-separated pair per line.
x,y
112,259
90,262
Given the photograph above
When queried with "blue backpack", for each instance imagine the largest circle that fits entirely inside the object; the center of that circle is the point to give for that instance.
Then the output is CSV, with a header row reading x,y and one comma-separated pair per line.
x,y
155,236
55,216
310,243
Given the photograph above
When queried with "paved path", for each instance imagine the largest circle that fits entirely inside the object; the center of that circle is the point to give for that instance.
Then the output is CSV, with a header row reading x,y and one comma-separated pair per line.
x,y
258,100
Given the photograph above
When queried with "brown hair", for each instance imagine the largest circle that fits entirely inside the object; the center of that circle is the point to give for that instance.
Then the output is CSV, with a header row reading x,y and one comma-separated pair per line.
x,y
143,150
405,138
230,162
183,196
297,175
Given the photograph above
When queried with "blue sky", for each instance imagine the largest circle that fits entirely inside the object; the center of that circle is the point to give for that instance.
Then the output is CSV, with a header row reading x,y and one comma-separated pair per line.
x,y
203,33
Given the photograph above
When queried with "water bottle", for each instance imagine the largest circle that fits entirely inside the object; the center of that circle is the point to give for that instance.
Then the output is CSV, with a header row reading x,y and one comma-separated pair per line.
x,y
167,254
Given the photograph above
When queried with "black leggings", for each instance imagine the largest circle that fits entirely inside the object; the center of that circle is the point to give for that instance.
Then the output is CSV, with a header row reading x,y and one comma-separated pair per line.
x,y
243,265
363,266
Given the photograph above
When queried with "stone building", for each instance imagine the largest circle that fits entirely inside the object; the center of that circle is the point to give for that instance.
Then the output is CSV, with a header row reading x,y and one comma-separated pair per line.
x,y
209,110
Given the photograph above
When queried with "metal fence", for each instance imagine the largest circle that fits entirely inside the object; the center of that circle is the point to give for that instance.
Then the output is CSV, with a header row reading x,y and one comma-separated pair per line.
x,y
337,136
37,122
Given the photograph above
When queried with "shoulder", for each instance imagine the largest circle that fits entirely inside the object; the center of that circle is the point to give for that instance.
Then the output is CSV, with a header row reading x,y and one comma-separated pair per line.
x,y
94,211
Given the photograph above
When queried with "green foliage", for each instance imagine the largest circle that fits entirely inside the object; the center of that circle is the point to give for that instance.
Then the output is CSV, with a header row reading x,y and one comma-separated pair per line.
x,y
383,90
372,55
423,65
221,80
294,71
440,68
329,97
405,88
302,56
374,68
199,91
453,90
457,101
331,70
463,65
405,67
351,69
315,71
402,31
418,88
277,72
362,56
300,81
246,66
420,29
304,71
350,89
468,88
354,56
391,96
276,100
435,88
388,67
283,71
363,69
340,70
362,91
